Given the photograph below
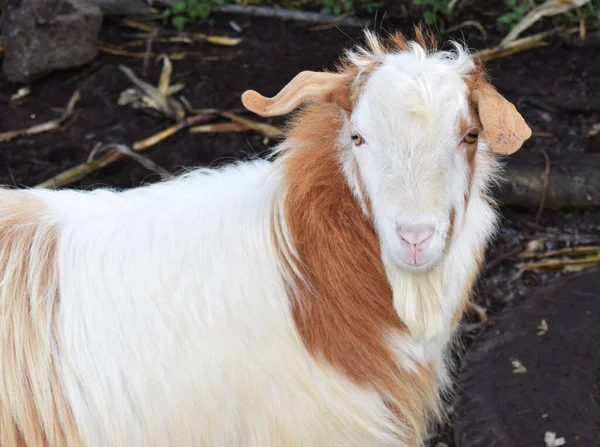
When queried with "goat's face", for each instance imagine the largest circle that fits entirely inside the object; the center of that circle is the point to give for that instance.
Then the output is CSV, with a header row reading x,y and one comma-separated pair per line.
x,y
413,137
416,123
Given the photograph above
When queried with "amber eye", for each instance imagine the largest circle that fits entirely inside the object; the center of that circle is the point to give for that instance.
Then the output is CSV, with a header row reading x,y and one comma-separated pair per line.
x,y
356,139
471,137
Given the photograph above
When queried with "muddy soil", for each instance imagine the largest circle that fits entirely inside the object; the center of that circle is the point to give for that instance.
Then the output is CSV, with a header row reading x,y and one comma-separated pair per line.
x,y
557,89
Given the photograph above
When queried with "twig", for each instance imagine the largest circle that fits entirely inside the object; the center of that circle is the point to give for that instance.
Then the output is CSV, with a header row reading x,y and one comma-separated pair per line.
x,y
558,263
267,130
141,159
218,128
570,251
291,14
213,39
142,42
80,171
466,23
119,52
545,186
134,24
157,138
148,52
547,9
582,28
526,43
43,127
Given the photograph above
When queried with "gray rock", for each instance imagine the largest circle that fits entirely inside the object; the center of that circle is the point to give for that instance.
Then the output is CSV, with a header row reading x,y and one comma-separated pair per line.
x,y
41,36
123,7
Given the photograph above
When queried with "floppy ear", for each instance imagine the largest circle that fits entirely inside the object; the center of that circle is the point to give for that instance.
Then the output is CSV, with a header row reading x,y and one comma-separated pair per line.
x,y
504,129
307,86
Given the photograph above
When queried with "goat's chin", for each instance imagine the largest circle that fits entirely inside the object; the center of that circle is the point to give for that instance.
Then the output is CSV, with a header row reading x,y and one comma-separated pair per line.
x,y
401,260
422,267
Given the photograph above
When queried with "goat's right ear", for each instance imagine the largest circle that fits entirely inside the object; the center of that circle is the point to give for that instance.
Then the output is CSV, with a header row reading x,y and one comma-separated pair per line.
x,y
307,86
504,128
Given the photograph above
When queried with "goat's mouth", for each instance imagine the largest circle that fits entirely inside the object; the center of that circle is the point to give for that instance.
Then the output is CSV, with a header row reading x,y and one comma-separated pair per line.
x,y
416,258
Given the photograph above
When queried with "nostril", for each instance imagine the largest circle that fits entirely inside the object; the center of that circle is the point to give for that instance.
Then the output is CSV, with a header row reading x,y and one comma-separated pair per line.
x,y
415,234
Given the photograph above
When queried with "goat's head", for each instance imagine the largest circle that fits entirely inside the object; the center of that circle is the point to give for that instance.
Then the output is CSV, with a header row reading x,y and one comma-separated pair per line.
x,y
414,123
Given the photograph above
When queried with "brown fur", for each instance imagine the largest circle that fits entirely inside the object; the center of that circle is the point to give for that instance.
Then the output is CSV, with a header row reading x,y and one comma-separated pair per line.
x,y
33,408
346,314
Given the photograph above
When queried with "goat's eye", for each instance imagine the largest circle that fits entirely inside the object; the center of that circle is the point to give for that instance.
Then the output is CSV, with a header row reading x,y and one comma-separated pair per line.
x,y
471,137
356,139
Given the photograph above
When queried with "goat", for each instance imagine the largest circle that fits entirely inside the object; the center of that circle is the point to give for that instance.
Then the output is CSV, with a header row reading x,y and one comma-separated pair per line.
x,y
309,300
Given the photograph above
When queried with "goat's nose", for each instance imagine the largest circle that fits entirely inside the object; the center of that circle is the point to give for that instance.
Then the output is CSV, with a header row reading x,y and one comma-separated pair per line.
x,y
416,235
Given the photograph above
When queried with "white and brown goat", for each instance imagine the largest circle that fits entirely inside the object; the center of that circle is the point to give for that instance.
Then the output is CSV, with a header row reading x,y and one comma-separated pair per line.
x,y
308,301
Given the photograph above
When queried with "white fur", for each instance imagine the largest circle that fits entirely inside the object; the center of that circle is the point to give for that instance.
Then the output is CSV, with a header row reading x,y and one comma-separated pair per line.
x,y
175,324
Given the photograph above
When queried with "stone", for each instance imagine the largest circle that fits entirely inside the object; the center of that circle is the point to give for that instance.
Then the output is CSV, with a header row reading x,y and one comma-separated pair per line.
x,y
42,36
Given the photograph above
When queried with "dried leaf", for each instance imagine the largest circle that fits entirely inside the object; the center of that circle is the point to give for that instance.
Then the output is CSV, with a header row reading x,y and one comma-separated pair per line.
x,y
224,41
165,74
518,367
552,441
535,245
543,328
129,96
21,94
163,104
595,130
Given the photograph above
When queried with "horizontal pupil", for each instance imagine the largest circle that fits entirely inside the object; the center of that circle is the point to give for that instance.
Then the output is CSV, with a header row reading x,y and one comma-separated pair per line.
x,y
472,135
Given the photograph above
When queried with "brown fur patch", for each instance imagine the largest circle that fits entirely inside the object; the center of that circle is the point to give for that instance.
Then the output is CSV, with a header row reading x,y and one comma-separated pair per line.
x,y
345,315
450,233
33,408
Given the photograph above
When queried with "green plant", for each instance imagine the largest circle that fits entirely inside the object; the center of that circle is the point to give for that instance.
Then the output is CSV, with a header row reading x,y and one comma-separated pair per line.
x,y
337,7
185,11
590,13
518,10
432,9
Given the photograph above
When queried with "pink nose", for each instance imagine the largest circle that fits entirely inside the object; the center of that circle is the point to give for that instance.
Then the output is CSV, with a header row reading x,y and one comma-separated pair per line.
x,y
416,236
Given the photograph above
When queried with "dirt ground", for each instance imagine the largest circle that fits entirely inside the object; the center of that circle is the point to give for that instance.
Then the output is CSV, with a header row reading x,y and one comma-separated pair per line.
x,y
557,89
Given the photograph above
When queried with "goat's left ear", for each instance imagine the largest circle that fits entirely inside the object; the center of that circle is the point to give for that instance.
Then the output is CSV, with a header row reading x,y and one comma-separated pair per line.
x,y
308,86
504,129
